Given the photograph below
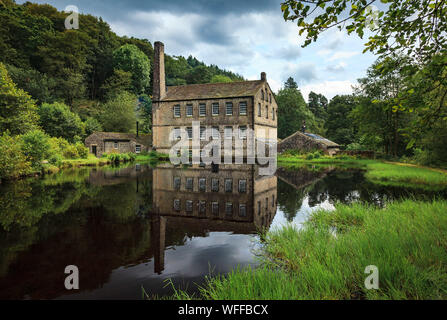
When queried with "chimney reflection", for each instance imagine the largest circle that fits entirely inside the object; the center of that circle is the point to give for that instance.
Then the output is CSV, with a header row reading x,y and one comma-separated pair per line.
x,y
233,199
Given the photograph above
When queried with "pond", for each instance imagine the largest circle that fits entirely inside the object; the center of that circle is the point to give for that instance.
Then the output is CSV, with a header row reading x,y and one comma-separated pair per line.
x,y
130,229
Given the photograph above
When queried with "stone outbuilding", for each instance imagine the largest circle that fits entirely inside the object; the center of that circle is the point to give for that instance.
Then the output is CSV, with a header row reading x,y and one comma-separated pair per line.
x,y
109,142
308,142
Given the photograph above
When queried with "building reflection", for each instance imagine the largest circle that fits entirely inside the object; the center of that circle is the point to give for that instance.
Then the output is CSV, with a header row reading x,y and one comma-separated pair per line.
x,y
233,198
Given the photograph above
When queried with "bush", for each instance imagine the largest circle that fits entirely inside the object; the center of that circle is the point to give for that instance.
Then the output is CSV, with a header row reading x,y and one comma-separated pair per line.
x,y
36,147
55,159
310,156
71,152
13,163
82,150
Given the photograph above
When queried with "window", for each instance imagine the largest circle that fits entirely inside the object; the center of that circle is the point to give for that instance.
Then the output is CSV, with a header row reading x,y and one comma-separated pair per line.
x,y
202,109
115,145
266,204
189,206
215,185
189,110
259,110
267,112
243,132
215,208
215,107
228,185
228,132
229,109
243,108
216,134
229,209
273,114
189,130
202,184
270,97
177,183
177,111
259,207
202,207
266,95
202,133
177,206
262,94
273,201
242,210
137,148
242,186
177,134
189,184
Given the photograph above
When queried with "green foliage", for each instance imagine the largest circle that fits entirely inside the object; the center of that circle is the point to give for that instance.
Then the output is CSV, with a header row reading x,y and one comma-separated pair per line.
x,y
290,84
220,78
13,162
416,27
17,109
144,113
121,157
327,258
92,125
338,126
292,111
36,146
82,150
58,121
118,82
131,59
118,114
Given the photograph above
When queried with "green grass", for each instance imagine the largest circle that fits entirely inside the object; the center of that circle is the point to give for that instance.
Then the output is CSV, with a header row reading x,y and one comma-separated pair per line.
x,y
378,172
90,161
407,241
403,175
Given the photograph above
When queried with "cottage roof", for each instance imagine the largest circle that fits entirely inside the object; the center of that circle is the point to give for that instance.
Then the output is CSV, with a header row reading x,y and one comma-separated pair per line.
x,y
144,139
213,90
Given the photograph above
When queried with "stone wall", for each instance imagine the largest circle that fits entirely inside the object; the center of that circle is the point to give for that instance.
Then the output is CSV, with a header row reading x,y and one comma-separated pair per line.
x,y
302,142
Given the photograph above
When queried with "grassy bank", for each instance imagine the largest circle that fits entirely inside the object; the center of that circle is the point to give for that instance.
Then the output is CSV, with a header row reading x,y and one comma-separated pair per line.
x,y
407,241
378,172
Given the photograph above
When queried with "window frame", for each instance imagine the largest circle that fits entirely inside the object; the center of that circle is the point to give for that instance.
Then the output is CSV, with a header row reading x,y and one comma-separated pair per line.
x,y
179,111
200,109
213,105
227,105
240,109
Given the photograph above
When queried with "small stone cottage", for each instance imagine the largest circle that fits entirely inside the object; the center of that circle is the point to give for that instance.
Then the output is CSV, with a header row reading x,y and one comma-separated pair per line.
x,y
109,142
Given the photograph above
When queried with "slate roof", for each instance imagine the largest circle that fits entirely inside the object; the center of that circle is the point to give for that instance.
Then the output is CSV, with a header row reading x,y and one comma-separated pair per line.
x,y
144,139
213,90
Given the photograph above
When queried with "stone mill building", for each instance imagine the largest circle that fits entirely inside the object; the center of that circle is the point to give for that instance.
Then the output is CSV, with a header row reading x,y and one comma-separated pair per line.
x,y
226,107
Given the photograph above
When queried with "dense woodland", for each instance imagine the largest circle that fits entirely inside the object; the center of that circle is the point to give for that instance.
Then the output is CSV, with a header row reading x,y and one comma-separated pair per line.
x,y
57,86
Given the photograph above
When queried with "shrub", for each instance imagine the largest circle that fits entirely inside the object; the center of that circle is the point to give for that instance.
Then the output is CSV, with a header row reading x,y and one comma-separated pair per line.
x,y
13,163
82,150
310,156
71,152
36,147
55,159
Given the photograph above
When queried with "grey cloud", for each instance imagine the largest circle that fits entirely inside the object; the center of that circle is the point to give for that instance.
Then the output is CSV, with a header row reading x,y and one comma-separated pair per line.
x,y
303,73
335,68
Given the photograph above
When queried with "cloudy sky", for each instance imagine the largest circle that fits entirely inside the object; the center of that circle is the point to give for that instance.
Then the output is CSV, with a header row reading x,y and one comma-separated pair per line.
x,y
244,36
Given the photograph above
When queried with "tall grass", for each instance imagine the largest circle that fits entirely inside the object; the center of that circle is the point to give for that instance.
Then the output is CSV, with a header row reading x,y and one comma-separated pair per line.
x,y
407,241
401,175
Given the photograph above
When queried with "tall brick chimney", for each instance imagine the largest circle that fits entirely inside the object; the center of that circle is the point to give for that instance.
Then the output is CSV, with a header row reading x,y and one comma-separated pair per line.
x,y
159,90
263,76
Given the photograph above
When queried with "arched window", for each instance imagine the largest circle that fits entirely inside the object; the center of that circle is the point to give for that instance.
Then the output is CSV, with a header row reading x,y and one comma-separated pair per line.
x,y
262,94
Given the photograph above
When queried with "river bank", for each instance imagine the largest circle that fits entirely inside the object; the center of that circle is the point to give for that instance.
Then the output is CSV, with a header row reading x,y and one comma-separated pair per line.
x,y
327,258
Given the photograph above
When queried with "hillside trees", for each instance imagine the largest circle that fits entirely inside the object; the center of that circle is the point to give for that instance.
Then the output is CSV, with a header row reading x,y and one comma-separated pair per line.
x,y
18,113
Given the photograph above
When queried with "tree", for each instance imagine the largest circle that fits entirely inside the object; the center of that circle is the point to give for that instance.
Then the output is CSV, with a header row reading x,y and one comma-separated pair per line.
x,y
290,84
36,146
17,110
318,106
58,121
120,81
200,74
339,126
131,59
118,114
220,78
92,125
292,111
145,113
405,27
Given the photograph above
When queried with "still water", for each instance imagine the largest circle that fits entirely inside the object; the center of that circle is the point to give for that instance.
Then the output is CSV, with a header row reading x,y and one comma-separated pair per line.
x,y
133,228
